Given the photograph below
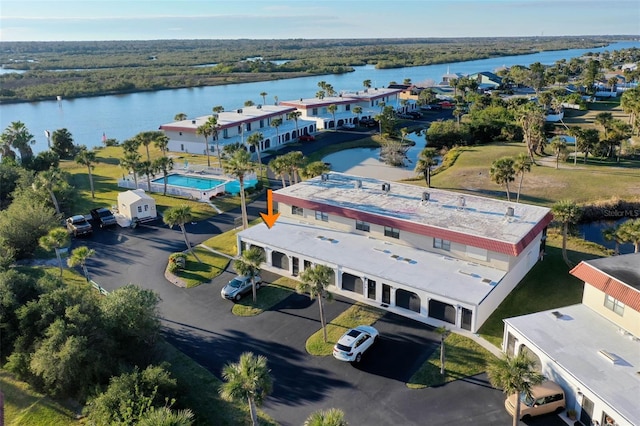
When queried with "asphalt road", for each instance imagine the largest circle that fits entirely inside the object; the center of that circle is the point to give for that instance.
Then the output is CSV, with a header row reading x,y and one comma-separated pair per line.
x,y
200,323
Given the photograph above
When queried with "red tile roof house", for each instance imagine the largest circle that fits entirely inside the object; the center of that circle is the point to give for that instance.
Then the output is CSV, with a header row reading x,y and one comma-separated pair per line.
x,y
436,256
591,349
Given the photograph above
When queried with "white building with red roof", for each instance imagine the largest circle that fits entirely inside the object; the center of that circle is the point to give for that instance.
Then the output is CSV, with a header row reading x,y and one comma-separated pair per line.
x,y
236,126
591,349
436,256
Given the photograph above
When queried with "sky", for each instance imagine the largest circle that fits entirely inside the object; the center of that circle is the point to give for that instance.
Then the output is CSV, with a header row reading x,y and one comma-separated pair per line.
x,y
73,20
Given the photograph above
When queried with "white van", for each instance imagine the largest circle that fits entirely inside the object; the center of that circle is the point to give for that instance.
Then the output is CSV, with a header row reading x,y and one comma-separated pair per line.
x,y
547,397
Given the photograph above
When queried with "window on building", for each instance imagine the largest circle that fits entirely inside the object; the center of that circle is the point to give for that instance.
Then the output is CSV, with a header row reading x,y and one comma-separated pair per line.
x,y
391,232
146,207
314,111
248,127
225,134
347,107
362,226
139,209
322,216
261,123
439,243
297,210
614,304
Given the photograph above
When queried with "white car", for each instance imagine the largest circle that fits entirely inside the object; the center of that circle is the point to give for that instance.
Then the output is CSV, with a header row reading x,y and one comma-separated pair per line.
x,y
354,343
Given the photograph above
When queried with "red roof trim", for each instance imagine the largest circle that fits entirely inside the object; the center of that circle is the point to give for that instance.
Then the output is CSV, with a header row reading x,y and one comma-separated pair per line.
x,y
420,229
609,285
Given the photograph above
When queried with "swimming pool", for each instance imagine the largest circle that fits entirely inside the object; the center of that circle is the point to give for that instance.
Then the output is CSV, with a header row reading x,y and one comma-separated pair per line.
x,y
205,184
188,181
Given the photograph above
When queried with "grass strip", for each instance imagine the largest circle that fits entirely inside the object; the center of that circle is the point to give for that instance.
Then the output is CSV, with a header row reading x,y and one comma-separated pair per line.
x,y
463,358
196,273
268,297
357,314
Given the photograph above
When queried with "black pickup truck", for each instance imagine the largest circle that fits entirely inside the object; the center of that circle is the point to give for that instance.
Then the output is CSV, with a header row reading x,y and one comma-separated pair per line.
x,y
103,217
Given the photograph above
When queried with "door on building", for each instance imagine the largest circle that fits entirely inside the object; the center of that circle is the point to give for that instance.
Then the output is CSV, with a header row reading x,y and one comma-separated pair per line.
x,y
295,263
586,411
371,289
467,314
386,294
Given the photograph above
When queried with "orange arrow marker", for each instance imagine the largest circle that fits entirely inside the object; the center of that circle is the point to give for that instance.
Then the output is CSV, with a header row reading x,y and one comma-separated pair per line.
x,y
269,218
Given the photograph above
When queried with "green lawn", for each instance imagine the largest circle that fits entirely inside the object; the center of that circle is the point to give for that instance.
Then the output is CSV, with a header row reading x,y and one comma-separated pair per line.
x,y
196,273
268,297
463,358
25,407
358,314
543,185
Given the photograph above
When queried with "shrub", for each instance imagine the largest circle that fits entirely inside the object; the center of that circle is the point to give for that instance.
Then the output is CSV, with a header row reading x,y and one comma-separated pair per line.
x,y
177,262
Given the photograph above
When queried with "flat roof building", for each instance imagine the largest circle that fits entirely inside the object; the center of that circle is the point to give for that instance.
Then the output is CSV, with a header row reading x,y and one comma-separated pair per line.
x,y
436,256
591,349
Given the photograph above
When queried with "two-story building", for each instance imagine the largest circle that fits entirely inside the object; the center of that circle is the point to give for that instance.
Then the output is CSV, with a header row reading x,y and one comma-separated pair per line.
x,y
436,256
591,349
236,126
370,100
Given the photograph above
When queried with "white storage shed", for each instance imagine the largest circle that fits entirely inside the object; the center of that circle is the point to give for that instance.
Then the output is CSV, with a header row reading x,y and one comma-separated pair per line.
x,y
137,205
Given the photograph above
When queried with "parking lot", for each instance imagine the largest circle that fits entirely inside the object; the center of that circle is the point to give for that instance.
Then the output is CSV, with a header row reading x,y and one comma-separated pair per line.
x,y
200,323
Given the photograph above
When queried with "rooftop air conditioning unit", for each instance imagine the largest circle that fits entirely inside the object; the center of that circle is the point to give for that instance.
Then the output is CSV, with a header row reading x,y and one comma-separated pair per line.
x,y
425,196
324,177
193,121
510,212
239,111
259,106
386,187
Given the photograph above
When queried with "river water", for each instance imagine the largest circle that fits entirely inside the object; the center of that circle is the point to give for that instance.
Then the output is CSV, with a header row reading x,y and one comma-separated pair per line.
x,y
123,116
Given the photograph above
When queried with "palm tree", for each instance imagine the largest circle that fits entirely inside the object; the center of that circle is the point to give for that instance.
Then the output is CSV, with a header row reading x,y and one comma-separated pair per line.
x,y
55,239
147,138
264,97
502,172
320,94
279,168
277,122
426,160
294,160
357,110
629,232
79,256
87,158
49,181
315,280
205,130
146,168
315,168
567,212
612,233
164,416
255,139
330,417
366,84
249,266
217,109
161,141
130,145
443,332
295,115
515,375
180,116
131,163
589,139
559,146
17,136
239,165
164,165
249,103
521,165
249,379
332,109
180,215
604,119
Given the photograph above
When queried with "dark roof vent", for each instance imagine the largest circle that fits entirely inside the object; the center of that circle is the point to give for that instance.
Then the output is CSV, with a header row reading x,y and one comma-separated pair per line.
x,y
239,111
386,187
193,121
324,177
358,184
425,197
510,212
461,202
259,106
